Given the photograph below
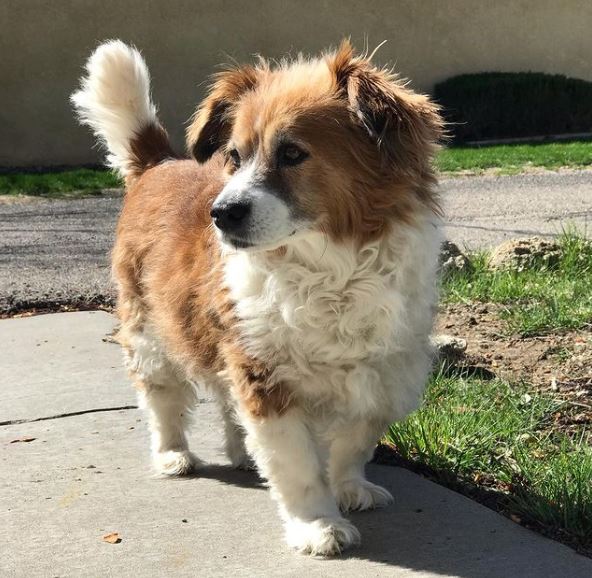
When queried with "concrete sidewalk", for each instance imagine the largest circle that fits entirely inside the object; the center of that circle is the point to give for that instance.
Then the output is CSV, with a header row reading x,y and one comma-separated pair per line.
x,y
86,473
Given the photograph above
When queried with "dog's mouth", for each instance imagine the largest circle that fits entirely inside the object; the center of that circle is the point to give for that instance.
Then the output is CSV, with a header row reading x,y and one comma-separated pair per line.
x,y
240,243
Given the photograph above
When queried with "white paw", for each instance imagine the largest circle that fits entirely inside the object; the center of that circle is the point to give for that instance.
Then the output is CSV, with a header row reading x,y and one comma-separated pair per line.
x,y
173,463
322,537
238,456
361,495
242,462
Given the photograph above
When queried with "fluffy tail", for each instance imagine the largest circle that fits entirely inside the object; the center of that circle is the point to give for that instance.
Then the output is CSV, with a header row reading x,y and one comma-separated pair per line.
x,y
114,100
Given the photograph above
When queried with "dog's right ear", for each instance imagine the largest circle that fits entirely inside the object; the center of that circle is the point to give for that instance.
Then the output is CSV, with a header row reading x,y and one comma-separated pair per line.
x,y
211,123
404,125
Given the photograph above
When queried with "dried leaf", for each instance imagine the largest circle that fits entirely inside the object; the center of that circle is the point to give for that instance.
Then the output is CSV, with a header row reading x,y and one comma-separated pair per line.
x,y
22,440
112,538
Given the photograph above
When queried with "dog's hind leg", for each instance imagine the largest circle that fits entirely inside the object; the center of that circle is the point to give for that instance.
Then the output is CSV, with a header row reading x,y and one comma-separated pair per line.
x,y
234,433
351,448
169,408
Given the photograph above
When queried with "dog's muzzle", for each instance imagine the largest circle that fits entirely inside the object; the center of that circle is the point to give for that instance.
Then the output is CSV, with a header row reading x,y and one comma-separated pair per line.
x,y
231,216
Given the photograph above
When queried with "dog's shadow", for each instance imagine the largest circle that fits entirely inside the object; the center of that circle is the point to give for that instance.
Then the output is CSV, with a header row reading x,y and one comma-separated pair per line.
x,y
247,478
432,529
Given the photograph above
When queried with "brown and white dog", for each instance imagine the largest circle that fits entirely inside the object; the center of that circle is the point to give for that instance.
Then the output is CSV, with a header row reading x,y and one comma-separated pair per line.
x,y
289,267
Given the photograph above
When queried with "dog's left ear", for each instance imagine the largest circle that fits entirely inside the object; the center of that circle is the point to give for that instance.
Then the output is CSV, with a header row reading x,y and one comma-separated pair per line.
x,y
405,126
211,124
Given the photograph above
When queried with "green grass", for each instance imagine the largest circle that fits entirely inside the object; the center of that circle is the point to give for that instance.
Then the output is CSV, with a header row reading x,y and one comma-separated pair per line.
x,y
556,490
511,159
534,301
469,430
508,159
500,440
78,182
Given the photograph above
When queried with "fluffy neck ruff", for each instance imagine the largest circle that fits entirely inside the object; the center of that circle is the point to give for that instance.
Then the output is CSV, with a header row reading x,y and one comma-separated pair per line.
x,y
330,302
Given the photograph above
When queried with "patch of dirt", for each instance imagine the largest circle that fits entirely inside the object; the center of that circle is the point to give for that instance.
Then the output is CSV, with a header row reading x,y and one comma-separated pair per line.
x,y
23,199
18,199
25,309
559,364
527,169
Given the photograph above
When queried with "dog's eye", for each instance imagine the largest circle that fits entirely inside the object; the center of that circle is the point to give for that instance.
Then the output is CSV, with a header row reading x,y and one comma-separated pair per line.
x,y
234,158
291,155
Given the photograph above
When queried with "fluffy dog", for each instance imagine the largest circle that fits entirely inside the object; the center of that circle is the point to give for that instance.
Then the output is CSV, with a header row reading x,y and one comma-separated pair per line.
x,y
289,267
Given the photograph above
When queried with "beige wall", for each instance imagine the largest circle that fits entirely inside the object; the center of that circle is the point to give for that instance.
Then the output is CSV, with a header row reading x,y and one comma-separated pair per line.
x,y
44,43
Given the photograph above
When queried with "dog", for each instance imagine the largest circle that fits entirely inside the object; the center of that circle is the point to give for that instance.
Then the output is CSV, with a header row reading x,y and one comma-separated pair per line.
x,y
289,267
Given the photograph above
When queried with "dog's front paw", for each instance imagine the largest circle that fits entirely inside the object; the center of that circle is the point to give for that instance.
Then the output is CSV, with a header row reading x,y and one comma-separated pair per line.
x,y
323,536
361,494
238,456
243,462
174,463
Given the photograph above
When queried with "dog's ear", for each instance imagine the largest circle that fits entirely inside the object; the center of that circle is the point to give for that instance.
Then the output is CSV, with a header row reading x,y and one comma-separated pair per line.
x,y
211,123
405,126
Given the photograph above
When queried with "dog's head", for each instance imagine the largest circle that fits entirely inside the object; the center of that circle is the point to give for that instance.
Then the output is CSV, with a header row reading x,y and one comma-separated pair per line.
x,y
332,144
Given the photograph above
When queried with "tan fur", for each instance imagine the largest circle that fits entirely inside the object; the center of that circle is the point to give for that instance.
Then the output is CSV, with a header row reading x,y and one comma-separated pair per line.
x,y
340,98
167,266
166,259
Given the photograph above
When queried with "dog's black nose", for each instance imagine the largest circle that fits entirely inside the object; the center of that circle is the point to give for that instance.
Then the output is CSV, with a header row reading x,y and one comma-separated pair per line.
x,y
229,216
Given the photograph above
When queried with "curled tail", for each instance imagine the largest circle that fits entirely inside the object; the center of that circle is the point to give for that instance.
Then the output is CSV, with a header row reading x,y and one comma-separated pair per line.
x,y
114,100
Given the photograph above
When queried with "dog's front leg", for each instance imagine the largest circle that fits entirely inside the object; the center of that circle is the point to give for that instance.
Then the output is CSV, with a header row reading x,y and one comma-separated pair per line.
x,y
287,454
351,448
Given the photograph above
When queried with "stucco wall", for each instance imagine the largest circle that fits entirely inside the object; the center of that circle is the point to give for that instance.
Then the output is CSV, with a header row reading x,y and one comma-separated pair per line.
x,y
44,44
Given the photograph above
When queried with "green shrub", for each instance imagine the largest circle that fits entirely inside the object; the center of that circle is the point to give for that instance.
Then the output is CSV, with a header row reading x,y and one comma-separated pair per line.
x,y
497,105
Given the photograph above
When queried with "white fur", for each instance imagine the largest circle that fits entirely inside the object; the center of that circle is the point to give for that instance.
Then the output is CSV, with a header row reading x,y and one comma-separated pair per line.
x,y
351,446
114,100
347,329
322,536
234,433
289,457
348,332
169,397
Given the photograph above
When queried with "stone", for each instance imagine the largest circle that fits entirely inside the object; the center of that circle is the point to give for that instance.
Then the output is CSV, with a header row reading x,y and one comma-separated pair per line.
x,y
521,254
452,259
449,346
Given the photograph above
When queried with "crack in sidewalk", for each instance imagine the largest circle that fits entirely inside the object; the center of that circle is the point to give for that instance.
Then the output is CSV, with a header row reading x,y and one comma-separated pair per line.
x,y
70,414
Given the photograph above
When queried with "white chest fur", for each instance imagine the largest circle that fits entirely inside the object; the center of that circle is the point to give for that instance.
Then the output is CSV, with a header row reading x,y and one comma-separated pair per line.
x,y
336,323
